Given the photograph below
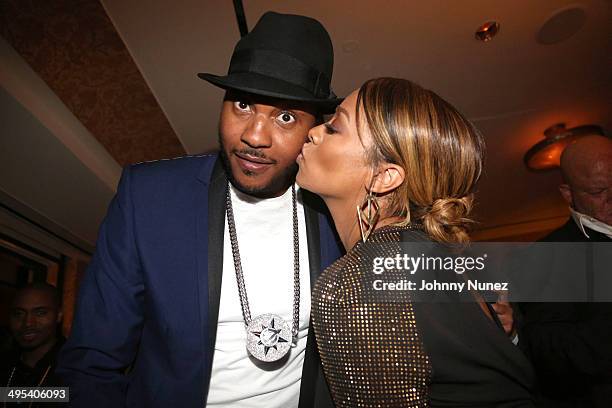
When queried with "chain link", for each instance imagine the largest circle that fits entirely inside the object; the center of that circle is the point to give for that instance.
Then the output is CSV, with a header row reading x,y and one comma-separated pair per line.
x,y
244,300
296,267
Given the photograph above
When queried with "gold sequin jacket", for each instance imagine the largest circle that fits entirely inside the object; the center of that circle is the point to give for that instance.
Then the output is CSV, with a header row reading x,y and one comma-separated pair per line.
x,y
384,349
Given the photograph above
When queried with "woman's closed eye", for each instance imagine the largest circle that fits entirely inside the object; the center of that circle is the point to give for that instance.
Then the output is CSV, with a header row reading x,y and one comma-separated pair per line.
x,y
329,128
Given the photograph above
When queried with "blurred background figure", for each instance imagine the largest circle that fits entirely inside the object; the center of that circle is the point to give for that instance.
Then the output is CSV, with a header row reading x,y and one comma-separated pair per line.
x,y
35,318
586,166
570,344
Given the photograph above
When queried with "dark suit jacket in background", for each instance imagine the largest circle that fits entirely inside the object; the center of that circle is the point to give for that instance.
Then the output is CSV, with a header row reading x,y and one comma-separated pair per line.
x,y
150,298
570,344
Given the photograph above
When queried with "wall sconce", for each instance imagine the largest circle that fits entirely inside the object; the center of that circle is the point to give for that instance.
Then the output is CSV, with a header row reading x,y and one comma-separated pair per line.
x,y
546,154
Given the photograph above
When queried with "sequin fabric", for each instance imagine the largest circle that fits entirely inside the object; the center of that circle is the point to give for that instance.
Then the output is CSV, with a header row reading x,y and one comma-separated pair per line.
x,y
371,350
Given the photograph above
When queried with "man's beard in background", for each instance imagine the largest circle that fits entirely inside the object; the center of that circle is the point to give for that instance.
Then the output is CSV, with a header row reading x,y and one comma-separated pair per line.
x,y
277,186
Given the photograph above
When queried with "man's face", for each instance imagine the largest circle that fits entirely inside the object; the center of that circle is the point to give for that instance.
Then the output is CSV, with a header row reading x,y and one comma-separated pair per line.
x,y
34,317
590,191
260,139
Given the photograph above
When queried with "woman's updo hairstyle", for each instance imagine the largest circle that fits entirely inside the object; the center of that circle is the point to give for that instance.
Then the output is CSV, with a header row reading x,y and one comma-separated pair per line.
x,y
440,151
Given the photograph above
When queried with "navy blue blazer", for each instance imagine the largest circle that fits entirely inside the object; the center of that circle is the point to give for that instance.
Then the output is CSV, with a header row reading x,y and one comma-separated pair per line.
x,y
146,316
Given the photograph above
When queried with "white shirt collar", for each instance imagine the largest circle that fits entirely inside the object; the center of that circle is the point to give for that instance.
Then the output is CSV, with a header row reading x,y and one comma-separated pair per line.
x,y
583,220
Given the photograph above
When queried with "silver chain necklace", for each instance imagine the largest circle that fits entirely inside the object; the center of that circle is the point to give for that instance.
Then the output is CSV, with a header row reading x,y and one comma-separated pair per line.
x,y
269,336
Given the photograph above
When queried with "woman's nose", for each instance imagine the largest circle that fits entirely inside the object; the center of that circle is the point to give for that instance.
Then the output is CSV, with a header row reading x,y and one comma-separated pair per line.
x,y
315,136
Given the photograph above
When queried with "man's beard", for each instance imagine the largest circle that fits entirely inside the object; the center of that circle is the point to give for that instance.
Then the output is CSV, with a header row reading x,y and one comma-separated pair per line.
x,y
277,186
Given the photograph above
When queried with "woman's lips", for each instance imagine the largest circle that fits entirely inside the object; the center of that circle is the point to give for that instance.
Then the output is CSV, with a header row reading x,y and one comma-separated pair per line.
x,y
252,164
302,155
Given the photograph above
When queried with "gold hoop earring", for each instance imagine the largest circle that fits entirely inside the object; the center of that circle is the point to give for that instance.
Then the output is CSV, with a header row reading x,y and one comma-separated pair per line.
x,y
367,215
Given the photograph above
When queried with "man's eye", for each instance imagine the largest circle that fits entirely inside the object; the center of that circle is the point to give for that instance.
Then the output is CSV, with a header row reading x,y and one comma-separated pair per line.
x,y
242,106
286,118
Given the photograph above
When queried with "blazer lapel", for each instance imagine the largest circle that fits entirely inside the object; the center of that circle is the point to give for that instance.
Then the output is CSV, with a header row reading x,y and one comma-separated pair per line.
x,y
311,371
216,227
211,224
313,236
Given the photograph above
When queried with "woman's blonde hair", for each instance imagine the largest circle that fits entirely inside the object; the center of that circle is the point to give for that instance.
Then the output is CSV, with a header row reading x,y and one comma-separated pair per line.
x,y
440,151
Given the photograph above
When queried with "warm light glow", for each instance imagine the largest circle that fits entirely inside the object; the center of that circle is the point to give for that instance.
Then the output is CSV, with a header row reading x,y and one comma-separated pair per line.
x,y
549,156
546,154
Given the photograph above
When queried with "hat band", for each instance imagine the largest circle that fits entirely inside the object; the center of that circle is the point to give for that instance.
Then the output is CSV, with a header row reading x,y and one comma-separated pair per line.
x,y
281,66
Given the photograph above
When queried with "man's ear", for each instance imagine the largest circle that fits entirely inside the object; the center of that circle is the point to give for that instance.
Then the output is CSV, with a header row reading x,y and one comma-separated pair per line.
x,y
566,193
389,177
60,316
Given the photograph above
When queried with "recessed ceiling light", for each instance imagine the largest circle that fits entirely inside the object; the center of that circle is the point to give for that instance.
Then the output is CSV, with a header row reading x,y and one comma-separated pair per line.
x,y
487,31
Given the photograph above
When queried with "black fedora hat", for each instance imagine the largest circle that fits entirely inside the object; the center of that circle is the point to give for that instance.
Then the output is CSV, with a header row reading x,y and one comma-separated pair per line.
x,y
285,56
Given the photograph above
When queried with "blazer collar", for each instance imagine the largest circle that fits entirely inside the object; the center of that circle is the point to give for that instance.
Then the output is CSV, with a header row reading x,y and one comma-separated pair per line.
x,y
311,371
216,227
211,224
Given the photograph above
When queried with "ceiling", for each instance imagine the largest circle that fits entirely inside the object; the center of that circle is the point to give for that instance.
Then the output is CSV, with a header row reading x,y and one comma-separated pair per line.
x,y
151,105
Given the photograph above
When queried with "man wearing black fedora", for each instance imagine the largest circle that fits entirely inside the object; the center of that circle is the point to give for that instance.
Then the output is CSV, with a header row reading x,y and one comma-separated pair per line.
x,y
199,290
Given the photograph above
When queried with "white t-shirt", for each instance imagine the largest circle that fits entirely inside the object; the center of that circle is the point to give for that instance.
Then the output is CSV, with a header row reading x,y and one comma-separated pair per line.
x,y
264,228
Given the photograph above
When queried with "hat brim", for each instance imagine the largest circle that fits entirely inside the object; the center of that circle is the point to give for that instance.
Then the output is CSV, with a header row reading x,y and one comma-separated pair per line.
x,y
262,85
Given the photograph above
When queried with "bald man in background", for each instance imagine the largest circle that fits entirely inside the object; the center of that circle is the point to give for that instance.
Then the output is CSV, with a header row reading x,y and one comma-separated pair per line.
x,y
570,344
586,166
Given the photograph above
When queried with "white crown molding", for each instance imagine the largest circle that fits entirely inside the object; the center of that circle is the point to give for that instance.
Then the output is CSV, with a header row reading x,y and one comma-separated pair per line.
x,y
20,81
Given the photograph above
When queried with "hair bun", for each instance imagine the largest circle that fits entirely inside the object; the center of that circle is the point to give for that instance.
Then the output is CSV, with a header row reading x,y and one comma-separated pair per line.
x,y
447,219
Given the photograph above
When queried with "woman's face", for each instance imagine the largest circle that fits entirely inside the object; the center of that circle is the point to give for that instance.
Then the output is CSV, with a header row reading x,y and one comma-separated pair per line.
x,y
333,162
